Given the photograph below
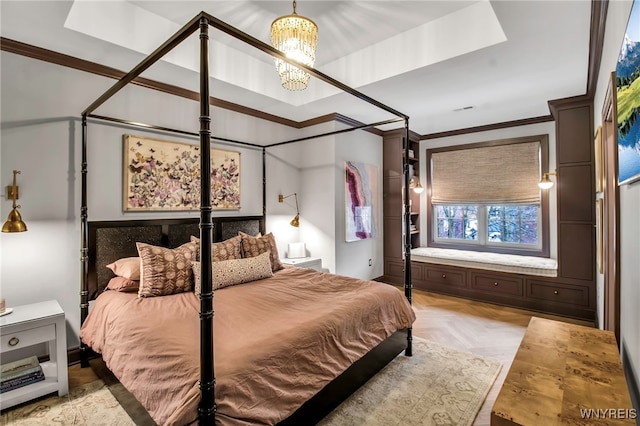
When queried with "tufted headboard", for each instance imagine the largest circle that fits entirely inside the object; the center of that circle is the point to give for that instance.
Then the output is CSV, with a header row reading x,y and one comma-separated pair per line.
x,y
113,240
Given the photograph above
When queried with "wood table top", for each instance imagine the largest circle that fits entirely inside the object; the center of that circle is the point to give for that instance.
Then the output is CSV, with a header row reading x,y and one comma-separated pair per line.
x,y
564,374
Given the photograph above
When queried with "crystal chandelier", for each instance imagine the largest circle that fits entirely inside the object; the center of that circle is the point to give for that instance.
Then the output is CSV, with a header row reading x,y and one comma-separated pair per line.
x,y
295,36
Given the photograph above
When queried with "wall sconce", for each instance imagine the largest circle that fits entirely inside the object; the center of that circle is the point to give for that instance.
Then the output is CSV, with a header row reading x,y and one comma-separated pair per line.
x,y
545,182
415,185
296,220
14,221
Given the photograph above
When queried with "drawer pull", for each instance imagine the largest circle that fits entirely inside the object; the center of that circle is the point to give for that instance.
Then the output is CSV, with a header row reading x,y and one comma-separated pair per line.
x,y
444,275
14,341
495,284
555,292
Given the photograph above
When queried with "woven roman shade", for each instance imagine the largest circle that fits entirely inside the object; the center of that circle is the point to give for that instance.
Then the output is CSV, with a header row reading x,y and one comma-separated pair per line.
x,y
501,174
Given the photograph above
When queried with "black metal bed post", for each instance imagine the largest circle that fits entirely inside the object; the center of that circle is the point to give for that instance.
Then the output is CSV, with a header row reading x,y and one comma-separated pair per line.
x,y
84,244
207,407
407,231
264,190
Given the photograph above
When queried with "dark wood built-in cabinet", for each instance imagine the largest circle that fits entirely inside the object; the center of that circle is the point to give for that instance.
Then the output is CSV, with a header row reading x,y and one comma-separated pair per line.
x,y
549,295
573,292
392,188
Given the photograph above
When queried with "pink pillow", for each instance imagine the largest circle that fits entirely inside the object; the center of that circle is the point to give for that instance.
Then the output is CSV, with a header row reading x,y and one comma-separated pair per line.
x,y
127,267
123,284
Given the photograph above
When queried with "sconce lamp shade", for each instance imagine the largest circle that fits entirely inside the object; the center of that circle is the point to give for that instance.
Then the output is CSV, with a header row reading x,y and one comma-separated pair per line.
x,y
414,183
545,182
14,221
418,188
296,220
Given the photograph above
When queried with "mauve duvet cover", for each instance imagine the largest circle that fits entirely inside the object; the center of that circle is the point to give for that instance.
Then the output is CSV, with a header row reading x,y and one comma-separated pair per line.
x,y
277,342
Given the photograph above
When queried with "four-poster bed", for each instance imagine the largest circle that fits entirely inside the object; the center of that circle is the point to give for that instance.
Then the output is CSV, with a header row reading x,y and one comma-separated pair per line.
x,y
117,236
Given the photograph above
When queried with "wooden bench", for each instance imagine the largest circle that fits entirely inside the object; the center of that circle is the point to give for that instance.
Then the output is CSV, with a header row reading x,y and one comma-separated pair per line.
x,y
564,374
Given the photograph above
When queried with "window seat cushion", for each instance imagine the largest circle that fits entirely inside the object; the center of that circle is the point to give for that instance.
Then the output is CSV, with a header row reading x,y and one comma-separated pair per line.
x,y
527,265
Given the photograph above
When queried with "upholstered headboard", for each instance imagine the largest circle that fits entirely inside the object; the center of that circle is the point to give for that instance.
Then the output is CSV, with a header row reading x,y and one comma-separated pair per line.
x,y
113,240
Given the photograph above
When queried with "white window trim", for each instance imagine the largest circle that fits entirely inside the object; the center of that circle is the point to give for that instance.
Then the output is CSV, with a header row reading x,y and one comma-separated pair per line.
x,y
483,227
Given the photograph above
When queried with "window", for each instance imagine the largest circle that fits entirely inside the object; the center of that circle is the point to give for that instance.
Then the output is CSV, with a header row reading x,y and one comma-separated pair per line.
x,y
496,225
485,196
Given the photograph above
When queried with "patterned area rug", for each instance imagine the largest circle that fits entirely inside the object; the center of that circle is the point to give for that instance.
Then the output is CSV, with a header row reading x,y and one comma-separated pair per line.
x,y
88,405
437,386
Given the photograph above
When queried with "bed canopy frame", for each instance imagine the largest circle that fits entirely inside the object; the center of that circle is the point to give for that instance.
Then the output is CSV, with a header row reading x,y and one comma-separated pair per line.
x,y
202,21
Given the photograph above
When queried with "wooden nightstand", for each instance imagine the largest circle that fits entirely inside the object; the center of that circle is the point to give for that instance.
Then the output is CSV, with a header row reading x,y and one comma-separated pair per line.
x,y
305,262
30,325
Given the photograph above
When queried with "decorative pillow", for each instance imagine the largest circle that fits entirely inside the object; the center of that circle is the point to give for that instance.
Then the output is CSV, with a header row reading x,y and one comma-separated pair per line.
x,y
123,284
253,246
235,271
127,267
225,250
165,271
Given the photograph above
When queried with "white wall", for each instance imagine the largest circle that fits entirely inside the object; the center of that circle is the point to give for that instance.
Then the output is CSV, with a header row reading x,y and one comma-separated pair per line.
x,y
41,136
321,194
352,258
512,132
617,17
318,197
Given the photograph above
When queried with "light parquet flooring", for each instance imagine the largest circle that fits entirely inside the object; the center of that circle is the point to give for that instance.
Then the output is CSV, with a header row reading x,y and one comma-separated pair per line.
x,y
482,328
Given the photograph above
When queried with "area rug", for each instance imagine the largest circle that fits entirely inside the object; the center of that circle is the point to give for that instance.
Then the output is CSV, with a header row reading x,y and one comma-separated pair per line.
x,y
436,386
88,405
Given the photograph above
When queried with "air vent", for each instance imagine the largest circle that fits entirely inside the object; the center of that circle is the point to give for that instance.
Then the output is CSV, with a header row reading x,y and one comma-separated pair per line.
x,y
463,108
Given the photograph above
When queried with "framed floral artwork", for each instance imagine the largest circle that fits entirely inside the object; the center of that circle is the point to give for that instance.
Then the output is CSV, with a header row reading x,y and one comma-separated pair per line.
x,y
165,175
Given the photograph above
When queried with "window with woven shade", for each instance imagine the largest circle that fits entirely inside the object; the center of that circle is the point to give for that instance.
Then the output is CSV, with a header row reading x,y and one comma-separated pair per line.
x,y
485,196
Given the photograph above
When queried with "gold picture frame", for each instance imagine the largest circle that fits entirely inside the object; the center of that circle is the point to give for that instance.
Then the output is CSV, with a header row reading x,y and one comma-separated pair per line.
x,y
162,175
597,144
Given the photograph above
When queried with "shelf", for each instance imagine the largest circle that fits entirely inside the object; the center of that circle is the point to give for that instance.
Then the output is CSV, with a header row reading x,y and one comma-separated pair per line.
x,y
29,392
417,231
415,213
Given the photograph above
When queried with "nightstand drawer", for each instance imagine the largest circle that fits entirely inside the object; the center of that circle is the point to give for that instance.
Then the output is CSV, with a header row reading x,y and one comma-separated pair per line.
x,y
26,338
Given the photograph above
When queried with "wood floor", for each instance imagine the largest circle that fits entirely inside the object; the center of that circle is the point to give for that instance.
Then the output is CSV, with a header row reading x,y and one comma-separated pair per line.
x,y
485,329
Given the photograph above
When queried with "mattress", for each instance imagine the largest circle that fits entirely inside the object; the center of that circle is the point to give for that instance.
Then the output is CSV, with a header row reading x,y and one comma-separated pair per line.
x,y
527,265
277,342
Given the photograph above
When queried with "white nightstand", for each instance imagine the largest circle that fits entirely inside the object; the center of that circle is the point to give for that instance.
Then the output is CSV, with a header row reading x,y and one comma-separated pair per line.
x,y
305,262
30,325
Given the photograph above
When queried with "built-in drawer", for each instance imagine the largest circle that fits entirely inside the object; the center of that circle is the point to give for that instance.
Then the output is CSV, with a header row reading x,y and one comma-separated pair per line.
x,y
442,276
497,284
33,336
560,293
